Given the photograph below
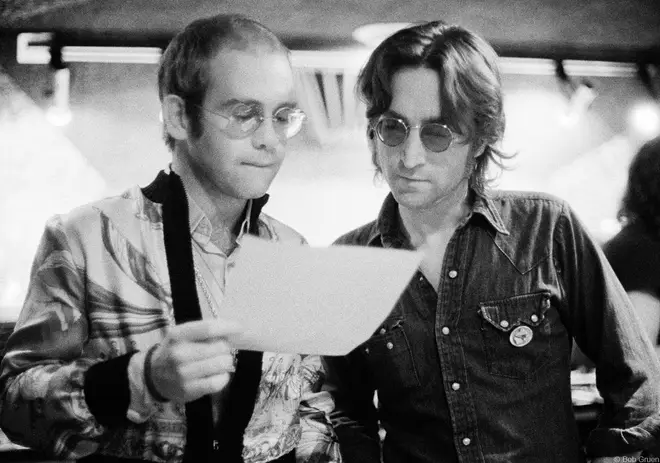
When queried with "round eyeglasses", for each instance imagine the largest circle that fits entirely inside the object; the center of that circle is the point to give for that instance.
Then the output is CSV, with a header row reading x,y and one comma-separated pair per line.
x,y
287,122
436,137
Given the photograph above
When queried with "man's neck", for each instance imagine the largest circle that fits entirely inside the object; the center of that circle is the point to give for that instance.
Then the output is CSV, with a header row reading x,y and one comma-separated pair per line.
x,y
424,225
223,211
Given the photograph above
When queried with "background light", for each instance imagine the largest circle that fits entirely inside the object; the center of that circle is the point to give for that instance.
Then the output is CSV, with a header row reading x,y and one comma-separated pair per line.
x,y
58,116
645,119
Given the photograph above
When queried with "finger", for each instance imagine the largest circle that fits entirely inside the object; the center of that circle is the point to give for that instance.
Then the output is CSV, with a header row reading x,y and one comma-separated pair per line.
x,y
203,330
204,386
209,367
184,352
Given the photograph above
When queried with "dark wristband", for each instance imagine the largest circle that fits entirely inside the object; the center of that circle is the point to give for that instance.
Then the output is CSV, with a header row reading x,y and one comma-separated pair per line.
x,y
148,379
107,390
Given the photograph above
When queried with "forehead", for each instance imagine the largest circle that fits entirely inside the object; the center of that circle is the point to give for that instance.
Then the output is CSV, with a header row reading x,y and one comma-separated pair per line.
x,y
266,77
416,93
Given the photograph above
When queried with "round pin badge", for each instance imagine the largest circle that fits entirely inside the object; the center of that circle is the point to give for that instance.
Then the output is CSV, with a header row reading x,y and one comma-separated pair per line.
x,y
521,336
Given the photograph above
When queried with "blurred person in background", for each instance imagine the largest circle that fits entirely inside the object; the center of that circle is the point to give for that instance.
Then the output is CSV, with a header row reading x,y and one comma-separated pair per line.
x,y
634,252
118,353
473,363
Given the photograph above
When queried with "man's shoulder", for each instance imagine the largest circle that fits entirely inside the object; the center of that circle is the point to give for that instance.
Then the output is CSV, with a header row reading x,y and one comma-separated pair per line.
x,y
521,203
526,213
279,231
86,216
359,236
519,197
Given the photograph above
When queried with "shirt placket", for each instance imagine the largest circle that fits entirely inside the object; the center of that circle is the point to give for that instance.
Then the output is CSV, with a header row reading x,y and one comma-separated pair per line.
x,y
450,350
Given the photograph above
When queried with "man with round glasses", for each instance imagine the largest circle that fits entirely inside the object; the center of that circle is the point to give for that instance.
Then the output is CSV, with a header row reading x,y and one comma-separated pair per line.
x,y
473,363
120,353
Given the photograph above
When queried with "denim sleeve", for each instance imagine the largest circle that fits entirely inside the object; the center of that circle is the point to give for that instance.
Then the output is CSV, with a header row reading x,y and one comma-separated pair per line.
x,y
606,328
354,416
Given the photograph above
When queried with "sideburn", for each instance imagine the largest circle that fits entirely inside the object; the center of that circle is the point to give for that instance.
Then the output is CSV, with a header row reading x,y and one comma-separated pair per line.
x,y
470,166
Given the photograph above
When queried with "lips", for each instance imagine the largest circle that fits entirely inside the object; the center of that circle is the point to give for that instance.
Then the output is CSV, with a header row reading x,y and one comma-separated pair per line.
x,y
411,179
260,166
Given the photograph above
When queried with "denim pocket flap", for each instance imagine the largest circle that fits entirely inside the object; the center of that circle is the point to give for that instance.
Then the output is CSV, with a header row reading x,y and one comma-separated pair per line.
x,y
506,314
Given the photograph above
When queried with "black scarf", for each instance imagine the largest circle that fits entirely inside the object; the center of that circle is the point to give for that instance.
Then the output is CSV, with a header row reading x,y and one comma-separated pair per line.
x,y
243,388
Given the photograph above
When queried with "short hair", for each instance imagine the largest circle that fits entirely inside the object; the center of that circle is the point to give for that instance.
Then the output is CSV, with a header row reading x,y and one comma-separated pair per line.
x,y
184,69
641,200
470,89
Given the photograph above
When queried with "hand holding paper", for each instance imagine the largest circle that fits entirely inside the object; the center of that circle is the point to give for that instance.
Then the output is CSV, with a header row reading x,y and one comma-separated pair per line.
x,y
296,299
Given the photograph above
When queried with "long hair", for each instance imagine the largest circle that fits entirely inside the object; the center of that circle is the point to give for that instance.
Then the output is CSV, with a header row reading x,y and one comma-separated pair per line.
x,y
641,200
470,93
184,69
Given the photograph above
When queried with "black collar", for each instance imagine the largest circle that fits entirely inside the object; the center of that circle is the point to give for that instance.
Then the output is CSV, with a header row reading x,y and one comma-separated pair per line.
x,y
157,191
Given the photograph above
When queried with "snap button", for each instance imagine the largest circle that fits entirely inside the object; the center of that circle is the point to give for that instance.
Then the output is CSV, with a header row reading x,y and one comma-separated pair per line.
x,y
546,303
453,274
504,324
390,345
455,386
466,441
382,331
534,318
366,350
445,330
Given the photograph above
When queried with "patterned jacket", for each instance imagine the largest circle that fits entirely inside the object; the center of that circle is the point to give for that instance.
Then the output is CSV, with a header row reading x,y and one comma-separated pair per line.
x,y
100,291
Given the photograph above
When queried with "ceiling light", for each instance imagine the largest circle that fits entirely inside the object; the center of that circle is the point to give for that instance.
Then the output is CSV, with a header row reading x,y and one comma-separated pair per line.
x,y
142,55
34,48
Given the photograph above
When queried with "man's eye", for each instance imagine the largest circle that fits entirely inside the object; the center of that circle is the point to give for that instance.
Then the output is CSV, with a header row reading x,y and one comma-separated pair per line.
x,y
243,112
283,117
242,117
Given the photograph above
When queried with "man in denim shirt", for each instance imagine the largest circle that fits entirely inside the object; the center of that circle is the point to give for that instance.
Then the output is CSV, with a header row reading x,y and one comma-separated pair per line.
x,y
473,363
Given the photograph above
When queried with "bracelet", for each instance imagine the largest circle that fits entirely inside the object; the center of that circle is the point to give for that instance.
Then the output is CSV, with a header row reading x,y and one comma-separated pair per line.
x,y
148,380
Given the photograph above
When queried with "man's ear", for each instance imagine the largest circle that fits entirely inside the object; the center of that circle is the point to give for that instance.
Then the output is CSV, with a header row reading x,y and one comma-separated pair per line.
x,y
371,143
371,139
174,117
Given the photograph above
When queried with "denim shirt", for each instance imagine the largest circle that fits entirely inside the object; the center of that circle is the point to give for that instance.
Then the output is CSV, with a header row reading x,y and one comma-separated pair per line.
x,y
479,370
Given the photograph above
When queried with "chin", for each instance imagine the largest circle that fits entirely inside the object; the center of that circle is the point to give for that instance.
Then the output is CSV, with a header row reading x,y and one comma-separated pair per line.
x,y
253,190
252,186
251,193
411,200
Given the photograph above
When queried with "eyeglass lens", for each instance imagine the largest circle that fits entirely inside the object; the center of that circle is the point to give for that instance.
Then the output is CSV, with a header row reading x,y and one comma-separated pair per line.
x,y
287,122
435,136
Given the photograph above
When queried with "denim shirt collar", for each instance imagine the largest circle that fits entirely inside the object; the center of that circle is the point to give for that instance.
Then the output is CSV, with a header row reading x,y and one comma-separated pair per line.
x,y
487,208
389,233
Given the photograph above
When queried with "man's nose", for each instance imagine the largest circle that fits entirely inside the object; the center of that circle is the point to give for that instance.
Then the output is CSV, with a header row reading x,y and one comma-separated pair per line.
x,y
414,152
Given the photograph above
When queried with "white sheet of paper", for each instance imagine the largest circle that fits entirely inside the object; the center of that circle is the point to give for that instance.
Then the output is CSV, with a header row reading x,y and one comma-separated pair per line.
x,y
298,299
